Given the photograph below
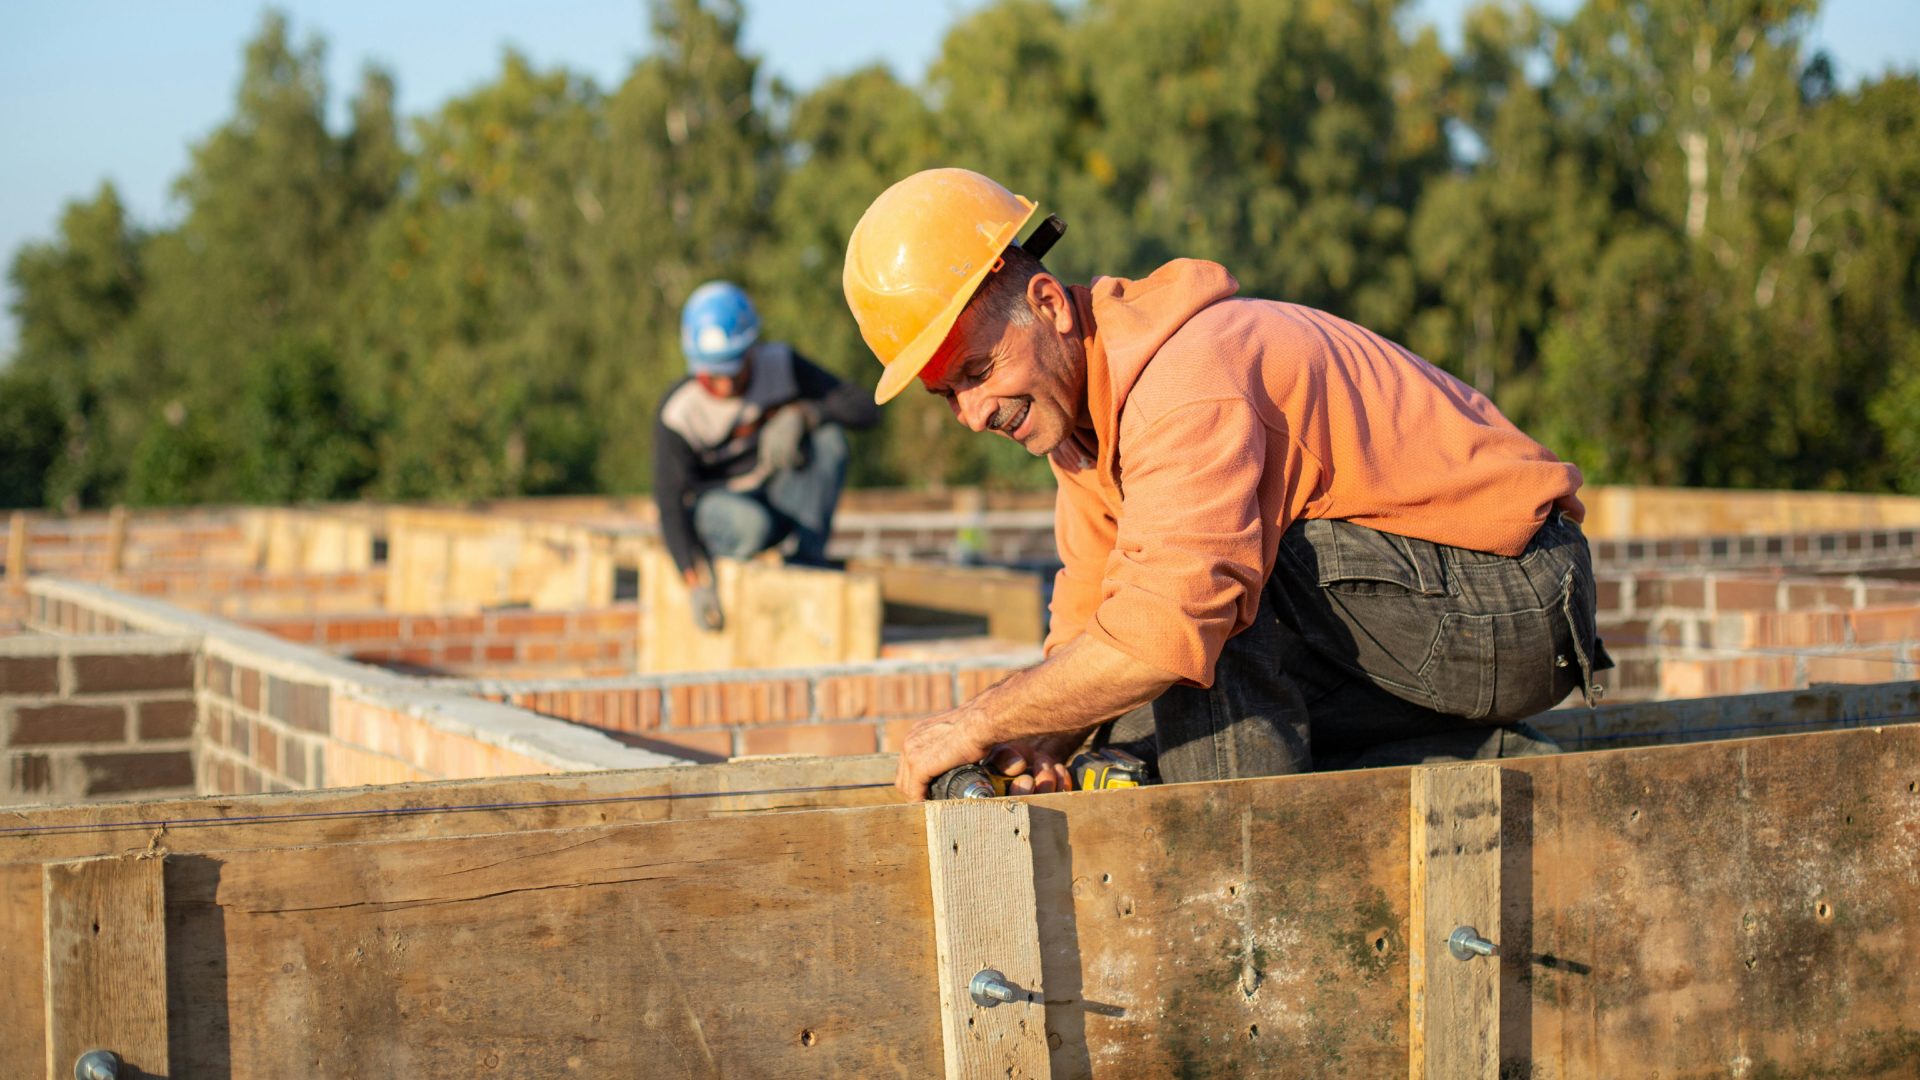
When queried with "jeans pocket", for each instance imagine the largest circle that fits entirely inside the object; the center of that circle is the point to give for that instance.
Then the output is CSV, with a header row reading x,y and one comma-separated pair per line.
x,y
1458,673
1349,558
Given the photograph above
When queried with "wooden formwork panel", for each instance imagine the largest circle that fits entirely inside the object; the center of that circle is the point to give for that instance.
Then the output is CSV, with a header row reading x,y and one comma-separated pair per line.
x,y
1742,908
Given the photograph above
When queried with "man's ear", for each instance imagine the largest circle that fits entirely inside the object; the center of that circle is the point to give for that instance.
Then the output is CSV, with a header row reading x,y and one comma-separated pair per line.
x,y
1050,303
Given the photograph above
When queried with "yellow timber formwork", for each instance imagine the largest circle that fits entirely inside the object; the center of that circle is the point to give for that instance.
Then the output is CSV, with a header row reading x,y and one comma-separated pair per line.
x,y
1736,908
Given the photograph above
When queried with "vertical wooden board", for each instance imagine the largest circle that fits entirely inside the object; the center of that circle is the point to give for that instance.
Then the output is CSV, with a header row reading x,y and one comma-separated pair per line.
x,y
106,962
1226,930
783,945
23,956
980,854
1746,908
17,551
1454,881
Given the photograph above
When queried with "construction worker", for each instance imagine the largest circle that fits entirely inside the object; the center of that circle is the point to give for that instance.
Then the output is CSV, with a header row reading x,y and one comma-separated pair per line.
x,y
750,449
1302,544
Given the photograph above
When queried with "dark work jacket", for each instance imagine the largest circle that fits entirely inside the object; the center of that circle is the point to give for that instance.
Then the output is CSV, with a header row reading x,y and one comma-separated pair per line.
x,y
701,442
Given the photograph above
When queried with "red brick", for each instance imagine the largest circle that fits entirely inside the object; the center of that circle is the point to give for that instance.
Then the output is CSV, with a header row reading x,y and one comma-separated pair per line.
x,y
1886,625
500,652
30,773
526,624
1746,595
44,724
167,719
1653,592
457,654
893,734
1872,666
29,674
114,773
266,747
1804,595
295,754
1607,595
715,743
826,740
248,693
972,682
302,632
736,704
878,696
120,672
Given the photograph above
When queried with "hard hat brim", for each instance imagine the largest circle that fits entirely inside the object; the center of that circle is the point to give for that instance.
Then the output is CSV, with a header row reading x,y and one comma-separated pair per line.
x,y
913,359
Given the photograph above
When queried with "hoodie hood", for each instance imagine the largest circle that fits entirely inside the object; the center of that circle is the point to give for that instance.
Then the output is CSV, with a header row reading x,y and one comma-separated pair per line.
x,y
1125,322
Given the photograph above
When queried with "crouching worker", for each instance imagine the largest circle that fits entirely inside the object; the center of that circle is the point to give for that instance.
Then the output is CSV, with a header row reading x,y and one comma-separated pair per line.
x,y
1304,545
750,448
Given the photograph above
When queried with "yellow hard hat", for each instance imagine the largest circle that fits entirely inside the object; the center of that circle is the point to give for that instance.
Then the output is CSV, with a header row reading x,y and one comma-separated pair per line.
x,y
916,258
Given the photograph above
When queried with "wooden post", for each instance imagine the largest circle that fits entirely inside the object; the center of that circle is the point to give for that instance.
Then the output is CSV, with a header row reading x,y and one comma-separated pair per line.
x,y
1454,1004
17,552
106,962
981,855
117,540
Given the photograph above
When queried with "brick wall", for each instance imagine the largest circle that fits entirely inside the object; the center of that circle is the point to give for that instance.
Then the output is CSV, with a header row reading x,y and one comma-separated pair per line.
x,y
242,592
88,718
513,644
276,732
279,716
1688,635
844,709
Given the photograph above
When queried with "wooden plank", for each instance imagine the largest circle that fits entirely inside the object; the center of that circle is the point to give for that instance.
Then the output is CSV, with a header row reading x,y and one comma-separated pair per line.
x,y
776,616
777,945
980,852
1226,930
17,552
106,963
1747,908
23,1023
116,540
349,815
1010,600
1454,847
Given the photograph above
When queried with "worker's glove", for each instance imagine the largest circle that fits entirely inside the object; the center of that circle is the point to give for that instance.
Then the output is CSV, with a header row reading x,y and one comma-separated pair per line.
x,y
783,438
706,607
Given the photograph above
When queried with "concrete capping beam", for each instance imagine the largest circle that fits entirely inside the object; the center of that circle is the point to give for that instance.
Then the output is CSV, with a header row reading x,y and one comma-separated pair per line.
x,y
566,746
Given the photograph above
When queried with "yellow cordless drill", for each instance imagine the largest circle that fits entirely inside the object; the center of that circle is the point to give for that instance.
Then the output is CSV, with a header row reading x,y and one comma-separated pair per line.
x,y
1105,769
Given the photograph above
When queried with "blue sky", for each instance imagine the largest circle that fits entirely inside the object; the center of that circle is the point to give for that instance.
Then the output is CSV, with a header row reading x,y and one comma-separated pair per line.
x,y
118,89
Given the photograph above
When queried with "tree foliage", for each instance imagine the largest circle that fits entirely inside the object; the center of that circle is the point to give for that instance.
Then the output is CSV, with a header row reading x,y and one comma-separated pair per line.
x,y
1656,231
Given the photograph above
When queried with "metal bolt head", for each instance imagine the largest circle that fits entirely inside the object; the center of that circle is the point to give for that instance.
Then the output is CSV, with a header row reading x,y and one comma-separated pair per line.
x,y
97,1065
990,988
1465,943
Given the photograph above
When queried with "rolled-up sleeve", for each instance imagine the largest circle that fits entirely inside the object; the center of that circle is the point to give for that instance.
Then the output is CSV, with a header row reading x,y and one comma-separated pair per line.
x,y
1187,563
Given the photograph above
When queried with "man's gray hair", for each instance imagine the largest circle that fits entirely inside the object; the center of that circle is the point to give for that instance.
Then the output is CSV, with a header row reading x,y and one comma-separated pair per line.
x,y
1002,297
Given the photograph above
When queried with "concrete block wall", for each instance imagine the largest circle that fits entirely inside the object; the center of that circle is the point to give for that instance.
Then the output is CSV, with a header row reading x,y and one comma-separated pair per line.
x,y
278,716
87,718
515,644
840,709
1689,635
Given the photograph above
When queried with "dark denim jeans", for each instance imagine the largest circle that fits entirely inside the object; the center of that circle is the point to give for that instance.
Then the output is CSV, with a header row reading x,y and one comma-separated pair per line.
x,y
1375,649
797,503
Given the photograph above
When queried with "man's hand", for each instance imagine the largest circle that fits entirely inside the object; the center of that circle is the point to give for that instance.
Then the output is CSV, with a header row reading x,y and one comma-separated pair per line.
x,y
706,600
783,437
935,745
1037,765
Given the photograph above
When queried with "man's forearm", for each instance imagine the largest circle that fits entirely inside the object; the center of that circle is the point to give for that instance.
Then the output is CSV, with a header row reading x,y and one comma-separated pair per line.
x,y
1081,685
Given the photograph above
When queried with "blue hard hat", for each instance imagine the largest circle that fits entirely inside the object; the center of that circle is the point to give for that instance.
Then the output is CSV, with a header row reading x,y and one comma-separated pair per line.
x,y
716,327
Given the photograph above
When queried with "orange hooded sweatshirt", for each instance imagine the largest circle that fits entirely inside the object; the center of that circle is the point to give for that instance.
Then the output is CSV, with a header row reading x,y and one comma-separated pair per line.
x,y
1220,422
